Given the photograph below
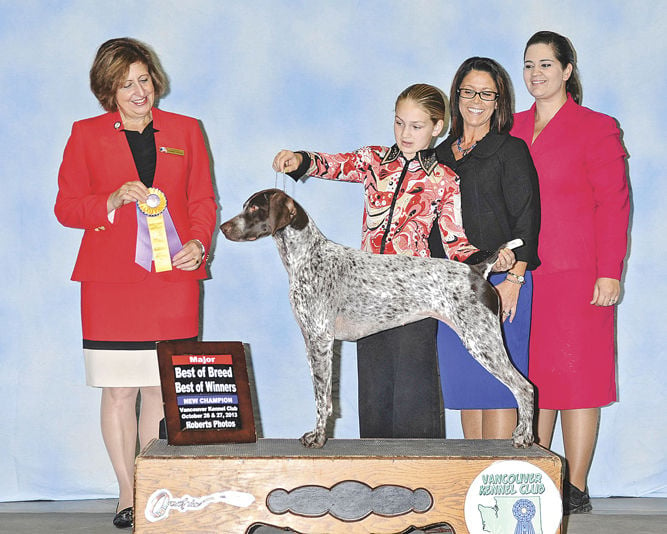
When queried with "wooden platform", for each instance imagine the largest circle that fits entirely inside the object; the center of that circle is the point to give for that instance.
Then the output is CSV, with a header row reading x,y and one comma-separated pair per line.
x,y
350,486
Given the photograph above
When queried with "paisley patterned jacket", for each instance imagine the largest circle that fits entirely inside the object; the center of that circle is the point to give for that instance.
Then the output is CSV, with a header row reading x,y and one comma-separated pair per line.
x,y
403,199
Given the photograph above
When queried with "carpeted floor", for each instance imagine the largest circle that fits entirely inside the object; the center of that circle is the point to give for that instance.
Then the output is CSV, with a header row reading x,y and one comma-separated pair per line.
x,y
610,516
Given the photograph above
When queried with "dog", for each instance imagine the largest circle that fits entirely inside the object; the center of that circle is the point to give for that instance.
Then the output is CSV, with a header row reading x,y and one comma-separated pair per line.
x,y
333,291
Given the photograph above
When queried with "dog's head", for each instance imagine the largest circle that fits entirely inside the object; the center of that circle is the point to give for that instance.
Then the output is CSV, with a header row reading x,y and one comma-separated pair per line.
x,y
264,213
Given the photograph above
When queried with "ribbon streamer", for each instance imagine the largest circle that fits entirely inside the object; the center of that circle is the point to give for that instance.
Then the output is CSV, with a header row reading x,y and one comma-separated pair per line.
x,y
157,239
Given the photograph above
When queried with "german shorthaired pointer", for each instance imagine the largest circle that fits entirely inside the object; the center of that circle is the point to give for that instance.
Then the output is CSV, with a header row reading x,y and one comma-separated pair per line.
x,y
333,291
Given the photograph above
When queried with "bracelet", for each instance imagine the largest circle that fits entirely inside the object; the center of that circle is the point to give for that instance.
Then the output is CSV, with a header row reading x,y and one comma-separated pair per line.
x,y
203,249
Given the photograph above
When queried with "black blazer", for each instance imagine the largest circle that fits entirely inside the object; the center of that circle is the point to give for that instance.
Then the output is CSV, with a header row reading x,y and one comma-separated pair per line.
x,y
500,198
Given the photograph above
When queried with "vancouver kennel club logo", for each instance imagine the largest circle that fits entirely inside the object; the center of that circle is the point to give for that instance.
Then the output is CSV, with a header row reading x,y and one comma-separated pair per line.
x,y
513,497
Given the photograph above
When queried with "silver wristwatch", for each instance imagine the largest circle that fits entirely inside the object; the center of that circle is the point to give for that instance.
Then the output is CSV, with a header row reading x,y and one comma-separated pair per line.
x,y
517,278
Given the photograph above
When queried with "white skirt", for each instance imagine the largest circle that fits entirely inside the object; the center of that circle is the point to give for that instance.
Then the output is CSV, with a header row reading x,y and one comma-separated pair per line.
x,y
108,368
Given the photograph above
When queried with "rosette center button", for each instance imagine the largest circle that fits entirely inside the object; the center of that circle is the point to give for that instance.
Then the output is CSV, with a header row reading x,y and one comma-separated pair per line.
x,y
153,200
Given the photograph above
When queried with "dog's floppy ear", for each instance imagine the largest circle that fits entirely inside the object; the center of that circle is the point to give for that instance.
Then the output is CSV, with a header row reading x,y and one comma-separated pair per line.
x,y
282,211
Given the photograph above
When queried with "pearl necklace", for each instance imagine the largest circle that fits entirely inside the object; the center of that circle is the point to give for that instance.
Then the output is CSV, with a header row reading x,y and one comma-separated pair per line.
x,y
464,151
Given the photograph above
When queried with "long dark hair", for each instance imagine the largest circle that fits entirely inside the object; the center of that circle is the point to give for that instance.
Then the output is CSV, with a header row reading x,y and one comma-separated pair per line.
x,y
565,54
502,118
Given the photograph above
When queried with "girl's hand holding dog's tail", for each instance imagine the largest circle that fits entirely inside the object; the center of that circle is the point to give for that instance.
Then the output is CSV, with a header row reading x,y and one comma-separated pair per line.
x,y
287,161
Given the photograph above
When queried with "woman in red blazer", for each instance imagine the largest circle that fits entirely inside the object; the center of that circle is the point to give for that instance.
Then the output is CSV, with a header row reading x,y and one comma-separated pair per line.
x,y
580,162
118,167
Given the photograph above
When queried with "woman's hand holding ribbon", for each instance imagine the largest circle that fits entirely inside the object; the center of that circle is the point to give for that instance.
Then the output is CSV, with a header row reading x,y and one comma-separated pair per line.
x,y
190,257
134,191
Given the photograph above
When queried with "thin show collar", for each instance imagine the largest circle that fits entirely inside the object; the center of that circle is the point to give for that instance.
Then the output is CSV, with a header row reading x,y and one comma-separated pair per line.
x,y
426,158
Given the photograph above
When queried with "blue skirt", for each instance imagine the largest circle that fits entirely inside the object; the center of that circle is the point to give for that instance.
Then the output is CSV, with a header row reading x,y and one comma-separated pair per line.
x,y
466,385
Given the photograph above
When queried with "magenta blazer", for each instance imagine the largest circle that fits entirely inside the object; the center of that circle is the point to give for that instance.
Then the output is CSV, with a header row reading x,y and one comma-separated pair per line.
x,y
580,161
98,160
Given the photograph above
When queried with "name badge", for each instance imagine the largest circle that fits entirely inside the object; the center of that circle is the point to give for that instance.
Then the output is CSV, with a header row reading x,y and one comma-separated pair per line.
x,y
174,151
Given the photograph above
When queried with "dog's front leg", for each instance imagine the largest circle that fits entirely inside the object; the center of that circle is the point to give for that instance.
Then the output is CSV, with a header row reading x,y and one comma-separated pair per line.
x,y
320,356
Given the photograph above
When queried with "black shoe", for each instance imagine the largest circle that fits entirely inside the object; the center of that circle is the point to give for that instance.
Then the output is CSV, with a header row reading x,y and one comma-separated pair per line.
x,y
162,432
575,501
124,518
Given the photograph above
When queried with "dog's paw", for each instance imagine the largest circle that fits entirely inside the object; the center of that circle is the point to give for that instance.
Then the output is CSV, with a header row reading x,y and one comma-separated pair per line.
x,y
313,440
522,437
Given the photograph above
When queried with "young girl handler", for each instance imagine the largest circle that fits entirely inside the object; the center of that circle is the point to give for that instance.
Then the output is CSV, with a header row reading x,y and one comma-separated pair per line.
x,y
407,191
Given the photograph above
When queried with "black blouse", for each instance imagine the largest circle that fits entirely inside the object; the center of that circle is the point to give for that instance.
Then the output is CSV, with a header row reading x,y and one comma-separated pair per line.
x,y
500,198
142,145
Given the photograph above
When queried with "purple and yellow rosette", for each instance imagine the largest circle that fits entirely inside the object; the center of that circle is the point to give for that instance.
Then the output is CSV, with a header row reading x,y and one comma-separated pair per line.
x,y
157,239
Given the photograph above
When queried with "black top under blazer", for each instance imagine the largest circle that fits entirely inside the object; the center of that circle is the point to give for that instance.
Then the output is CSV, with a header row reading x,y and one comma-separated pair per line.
x,y
500,198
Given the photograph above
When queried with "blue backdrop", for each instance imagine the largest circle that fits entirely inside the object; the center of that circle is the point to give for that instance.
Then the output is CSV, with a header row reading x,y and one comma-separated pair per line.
x,y
267,75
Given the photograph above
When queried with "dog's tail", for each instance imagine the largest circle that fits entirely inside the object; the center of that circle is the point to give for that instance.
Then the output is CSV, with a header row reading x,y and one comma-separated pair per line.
x,y
484,266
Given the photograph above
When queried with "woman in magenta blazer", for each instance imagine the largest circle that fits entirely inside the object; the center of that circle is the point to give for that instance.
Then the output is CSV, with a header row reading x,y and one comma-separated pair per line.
x,y
121,172
580,162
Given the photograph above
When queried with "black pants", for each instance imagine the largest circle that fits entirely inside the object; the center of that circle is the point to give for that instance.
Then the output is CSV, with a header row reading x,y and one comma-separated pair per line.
x,y
399,386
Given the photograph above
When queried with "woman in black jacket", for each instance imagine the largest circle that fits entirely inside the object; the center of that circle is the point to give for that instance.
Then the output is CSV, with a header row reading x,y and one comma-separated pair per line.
x,y
499,202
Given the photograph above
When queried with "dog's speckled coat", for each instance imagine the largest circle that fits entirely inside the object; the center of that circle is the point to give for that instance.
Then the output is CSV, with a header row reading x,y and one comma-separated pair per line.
x,y
338,292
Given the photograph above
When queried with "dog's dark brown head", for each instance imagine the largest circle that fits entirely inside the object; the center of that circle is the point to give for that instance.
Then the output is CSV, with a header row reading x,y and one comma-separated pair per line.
x,y
264,213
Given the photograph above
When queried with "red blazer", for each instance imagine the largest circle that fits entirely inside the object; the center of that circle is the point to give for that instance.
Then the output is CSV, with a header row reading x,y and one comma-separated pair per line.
x,y
98,160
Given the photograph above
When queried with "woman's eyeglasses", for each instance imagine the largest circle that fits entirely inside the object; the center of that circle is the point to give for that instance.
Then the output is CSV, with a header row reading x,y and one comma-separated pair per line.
x,y
469,94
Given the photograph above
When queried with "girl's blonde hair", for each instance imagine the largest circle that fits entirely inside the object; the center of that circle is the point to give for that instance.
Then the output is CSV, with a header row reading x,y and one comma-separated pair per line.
x,y
431,99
